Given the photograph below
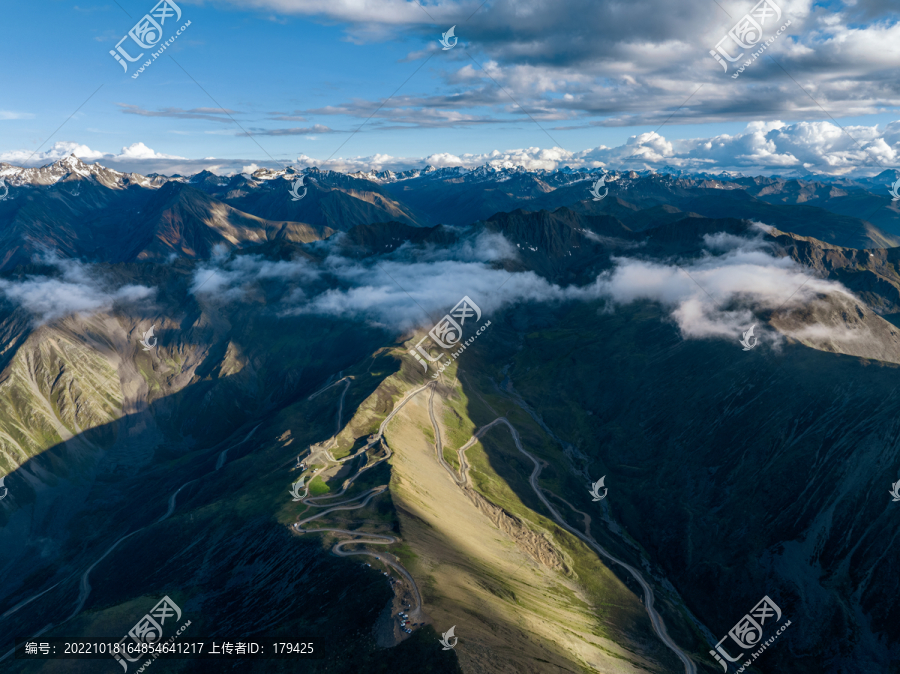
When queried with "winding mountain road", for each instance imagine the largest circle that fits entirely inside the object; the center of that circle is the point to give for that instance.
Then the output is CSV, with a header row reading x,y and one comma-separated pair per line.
x,y
340,413
27,601
462,480
325,388
224,455
85,585
439,445
414,613
85,582
656,620
360,500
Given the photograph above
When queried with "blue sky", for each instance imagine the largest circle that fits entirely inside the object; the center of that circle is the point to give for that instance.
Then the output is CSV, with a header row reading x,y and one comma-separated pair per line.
x,y
250,62
596,80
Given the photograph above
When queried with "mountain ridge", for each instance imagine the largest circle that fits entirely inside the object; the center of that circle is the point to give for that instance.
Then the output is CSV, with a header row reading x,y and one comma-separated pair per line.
x,y
454,196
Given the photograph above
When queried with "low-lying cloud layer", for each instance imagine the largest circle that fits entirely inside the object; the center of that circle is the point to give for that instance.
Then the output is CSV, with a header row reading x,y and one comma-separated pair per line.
x,y
76,289
403,290
719,295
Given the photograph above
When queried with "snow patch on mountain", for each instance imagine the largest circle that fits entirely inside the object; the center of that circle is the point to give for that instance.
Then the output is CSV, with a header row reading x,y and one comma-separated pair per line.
x,y
72,167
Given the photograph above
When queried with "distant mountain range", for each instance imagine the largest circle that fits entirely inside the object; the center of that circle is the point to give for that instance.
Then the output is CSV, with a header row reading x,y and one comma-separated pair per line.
x,y
75,208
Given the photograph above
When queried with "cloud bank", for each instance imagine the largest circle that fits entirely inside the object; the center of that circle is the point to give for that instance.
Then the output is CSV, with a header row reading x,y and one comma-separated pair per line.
x,y
761,148
719,295
716,296
76,289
